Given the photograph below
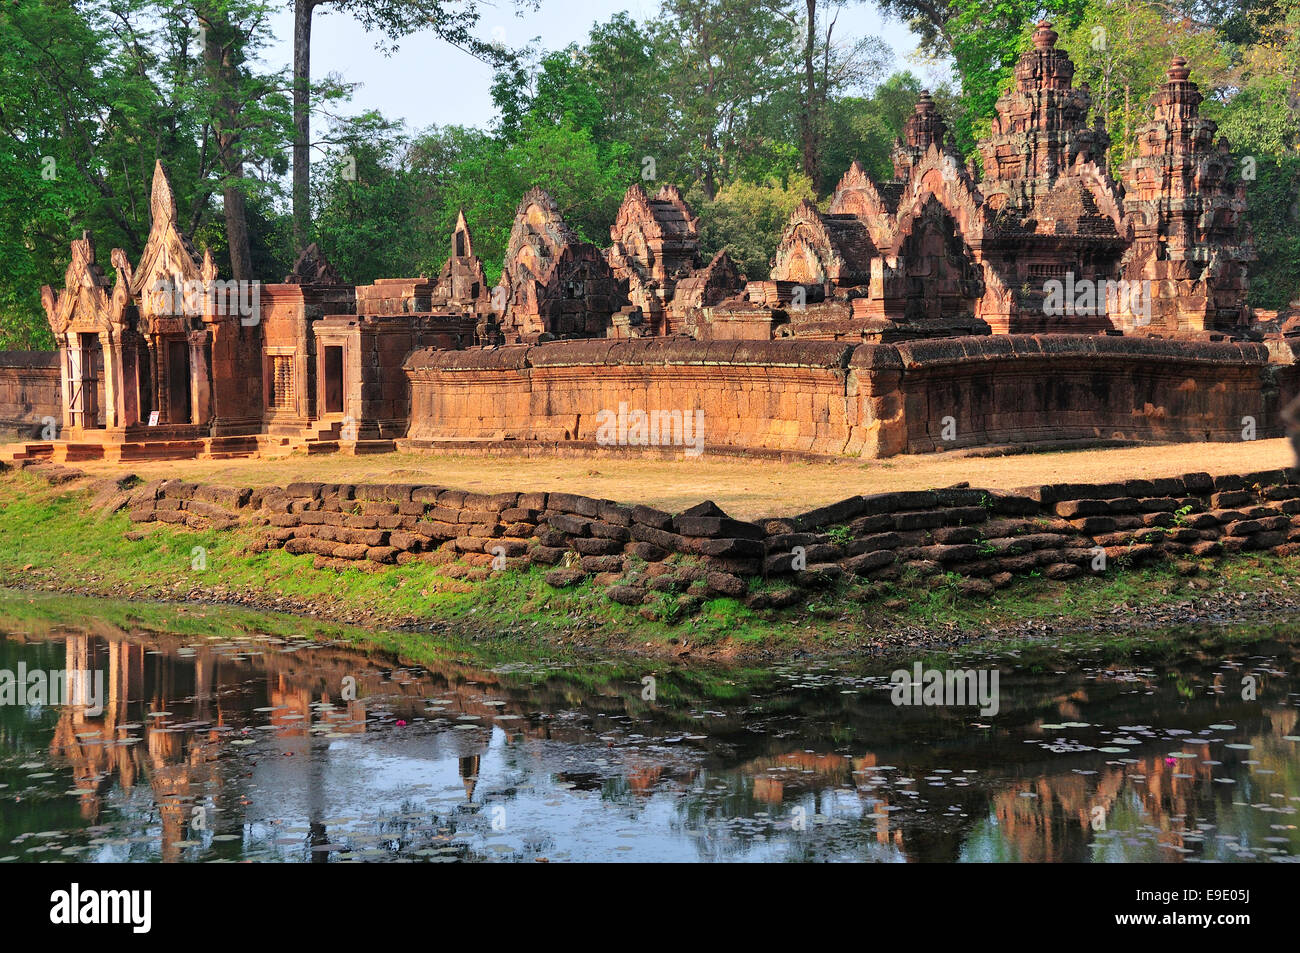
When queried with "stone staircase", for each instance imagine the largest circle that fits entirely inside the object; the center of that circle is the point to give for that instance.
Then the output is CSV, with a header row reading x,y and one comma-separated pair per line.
x,y
197,448
321,437
326,436
18,452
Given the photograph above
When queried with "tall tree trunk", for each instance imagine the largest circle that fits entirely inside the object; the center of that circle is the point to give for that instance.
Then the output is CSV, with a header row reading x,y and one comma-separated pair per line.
x,y
708,178
241,258
302,11
808,142
219,59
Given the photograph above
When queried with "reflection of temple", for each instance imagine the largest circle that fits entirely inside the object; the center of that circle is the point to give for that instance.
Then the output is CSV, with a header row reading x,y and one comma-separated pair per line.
x,y
176,764
211,692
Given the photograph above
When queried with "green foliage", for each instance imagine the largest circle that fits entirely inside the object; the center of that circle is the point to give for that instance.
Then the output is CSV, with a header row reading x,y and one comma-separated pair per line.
x,y
93,94
586,179
864,128
58,170
386,204
712,95
1122,48
1262,121
366,213
748,219
840,534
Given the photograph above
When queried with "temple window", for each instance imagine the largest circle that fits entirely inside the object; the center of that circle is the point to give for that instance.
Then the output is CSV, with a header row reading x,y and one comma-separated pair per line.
x,y
280,382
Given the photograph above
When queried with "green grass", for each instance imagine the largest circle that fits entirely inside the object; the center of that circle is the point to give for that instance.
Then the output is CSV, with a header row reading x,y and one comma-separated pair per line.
x,y
50,538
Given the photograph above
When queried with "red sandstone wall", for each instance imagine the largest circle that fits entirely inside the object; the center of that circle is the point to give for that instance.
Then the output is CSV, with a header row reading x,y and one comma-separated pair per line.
x,y
872,400
236,378
29,391
789,396
1026,389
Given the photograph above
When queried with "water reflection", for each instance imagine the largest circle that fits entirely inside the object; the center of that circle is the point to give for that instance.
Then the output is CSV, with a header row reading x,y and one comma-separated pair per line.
x,y
275,749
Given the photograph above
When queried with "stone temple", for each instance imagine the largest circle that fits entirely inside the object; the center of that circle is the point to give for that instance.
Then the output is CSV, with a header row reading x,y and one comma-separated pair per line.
x,y
1033,295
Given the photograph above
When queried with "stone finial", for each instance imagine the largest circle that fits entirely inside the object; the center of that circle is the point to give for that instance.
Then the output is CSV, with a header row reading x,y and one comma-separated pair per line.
x,y
162,200
208,267
462,245
925,127
1178,70
1044,35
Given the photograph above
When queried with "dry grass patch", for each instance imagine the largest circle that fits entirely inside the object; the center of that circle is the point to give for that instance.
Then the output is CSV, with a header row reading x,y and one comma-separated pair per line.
x,y
745,488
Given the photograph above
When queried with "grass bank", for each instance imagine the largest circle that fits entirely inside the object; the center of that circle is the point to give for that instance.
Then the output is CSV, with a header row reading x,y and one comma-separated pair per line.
x,y
51,539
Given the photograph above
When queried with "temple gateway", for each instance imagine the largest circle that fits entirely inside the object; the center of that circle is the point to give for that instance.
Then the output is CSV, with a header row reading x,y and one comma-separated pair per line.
x,y
1032,296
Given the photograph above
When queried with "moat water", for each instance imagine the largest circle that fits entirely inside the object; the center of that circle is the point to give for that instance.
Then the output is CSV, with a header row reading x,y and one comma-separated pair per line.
x,y
247,747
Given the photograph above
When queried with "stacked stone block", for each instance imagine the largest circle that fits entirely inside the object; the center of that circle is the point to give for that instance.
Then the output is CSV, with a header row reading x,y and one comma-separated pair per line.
x,y
978,540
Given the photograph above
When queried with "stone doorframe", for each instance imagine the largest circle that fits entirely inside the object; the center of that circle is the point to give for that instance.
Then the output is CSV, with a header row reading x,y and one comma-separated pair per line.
x,y
200,377
80,395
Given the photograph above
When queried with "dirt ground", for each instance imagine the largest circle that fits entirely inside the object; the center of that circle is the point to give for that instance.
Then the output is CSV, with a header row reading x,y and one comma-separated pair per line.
x,y
745,488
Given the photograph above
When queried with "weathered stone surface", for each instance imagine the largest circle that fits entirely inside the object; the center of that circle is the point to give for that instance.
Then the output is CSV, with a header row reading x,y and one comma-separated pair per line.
x,y
818,575
783,542
569,525
602,563
664,540
725,584
1062,571
546,555
597,547
625,595
649,516
727,548
564,578
574,504
864,563
647,551
609,531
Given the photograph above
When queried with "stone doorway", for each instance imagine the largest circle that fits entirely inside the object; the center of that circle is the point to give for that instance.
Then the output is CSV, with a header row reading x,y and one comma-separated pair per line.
x,y
333,379
85,382
178,382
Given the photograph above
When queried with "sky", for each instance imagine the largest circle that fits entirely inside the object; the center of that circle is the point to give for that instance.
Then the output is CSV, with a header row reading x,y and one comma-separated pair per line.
x,y
427,82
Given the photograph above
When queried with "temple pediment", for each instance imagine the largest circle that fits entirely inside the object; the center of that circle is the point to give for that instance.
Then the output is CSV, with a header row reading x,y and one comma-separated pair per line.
x,y
87,304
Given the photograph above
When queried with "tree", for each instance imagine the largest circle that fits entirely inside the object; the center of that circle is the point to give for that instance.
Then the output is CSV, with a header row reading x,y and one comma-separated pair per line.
x,y
864,128
829,68
366,214
1262,121
1122,48
242,107
984,40
723,63
93,94
586,179
748,220
452,21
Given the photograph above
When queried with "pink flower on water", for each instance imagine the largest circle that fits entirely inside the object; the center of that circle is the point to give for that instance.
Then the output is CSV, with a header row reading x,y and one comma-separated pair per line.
x,y
401,723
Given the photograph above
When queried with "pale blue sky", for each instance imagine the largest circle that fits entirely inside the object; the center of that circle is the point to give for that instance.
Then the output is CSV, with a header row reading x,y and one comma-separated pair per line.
x,y
427,81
